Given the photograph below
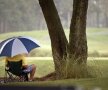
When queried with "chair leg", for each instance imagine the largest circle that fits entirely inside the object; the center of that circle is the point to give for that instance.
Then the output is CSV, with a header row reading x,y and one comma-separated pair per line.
x,y
26,77
8,77
5,77
23,78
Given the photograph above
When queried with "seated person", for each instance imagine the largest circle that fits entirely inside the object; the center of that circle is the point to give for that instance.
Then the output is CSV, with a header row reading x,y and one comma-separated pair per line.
x,y
28,68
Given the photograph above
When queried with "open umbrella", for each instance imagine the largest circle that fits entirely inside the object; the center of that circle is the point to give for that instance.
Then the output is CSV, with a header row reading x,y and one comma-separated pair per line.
x,y
17,45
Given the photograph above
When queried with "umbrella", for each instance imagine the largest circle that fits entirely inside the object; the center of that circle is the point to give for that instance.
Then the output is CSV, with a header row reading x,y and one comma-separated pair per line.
x,y
17,45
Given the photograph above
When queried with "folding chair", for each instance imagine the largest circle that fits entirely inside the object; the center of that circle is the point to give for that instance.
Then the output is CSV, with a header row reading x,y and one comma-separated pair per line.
x,y
14,72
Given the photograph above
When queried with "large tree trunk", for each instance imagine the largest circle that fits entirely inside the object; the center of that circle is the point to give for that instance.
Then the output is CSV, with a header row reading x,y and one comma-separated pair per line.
x,y
57,35
77,38
65,61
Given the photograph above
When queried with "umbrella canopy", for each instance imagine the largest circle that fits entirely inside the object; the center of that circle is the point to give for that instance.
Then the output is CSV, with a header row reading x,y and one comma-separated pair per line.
x,y
17,45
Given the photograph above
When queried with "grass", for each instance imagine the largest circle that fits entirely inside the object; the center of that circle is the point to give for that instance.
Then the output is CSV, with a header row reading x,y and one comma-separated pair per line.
x,y
87,84
97,41
45,66
97,46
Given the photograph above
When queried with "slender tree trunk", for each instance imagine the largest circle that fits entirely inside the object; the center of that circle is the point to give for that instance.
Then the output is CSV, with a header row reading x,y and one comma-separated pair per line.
x,y
106,20
98,19
77,38
2,25
57,35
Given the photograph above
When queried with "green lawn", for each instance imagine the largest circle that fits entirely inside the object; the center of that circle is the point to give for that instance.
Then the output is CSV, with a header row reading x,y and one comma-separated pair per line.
x,y
87,84
97,44
97,40
45,66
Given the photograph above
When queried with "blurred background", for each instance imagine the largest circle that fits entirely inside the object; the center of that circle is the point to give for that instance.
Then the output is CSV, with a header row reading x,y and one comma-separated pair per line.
x,y
18,15
26,18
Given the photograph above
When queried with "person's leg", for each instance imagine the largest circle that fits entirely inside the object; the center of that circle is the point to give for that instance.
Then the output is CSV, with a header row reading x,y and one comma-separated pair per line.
x,y
32,72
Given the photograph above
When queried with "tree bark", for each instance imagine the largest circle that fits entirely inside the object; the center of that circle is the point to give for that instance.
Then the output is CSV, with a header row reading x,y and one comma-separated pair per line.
x,y
77,37
57,35
65,66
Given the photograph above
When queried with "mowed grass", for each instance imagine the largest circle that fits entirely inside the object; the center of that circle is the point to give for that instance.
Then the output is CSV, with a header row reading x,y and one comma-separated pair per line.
x,y
98,68
82,84
45,65
97,40
97,44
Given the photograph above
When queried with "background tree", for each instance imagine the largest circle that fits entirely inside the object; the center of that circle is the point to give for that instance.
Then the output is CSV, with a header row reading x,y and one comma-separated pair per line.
x,y
77,48
18,15
104,6
21,15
